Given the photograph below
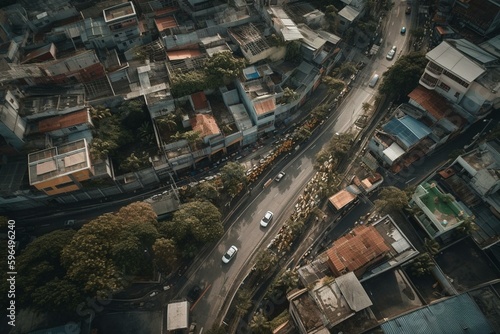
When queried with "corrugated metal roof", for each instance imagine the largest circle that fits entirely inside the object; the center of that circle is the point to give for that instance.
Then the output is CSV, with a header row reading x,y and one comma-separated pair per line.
x,y
459,314
409,130
446,56
265,106
64,121
431,101
353,292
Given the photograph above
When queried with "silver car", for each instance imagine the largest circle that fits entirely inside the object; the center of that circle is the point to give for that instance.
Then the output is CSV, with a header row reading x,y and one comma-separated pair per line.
x,y
391,53
231,252
266,219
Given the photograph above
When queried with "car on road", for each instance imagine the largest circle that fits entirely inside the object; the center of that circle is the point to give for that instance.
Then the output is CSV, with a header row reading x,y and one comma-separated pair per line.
x,y
279,176
408,10
193,294
403,30
69,223
392,52
373,81
266,219
154,293
231,252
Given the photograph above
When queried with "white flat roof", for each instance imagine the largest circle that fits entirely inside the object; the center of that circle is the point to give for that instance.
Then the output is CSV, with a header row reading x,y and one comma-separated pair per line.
x,y
446,56
177,315
393,152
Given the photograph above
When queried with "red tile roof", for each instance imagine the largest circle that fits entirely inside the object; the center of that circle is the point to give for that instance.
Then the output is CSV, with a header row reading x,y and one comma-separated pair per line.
x,y
431,101
205,124
356,249
164,23
200,101
265,106
64,121
341,199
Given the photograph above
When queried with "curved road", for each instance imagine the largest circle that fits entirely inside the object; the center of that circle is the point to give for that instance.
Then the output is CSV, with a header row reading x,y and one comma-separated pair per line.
x,y
245,231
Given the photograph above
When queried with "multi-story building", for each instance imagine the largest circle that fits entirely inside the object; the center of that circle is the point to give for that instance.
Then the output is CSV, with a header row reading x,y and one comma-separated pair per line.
x,y
60,169
466,75
123,25
436,211
481,16
12,125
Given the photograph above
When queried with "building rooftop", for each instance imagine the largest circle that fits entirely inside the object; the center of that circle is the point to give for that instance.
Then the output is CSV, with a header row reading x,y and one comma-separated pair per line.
x,y
177,315
240,115
249,38
453,60
437,105
409,130
64,121
264,106
119,12
356,249
183,54
482,158
200,101
40,106
342,198
205,125
457,314
58,161
164,23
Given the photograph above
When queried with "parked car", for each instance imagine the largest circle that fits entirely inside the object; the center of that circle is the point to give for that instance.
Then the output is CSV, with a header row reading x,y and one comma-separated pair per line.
x,y
391,53
69,223
279,176
193,294
266,219
403,30
231,252
408,10
373,81
154,293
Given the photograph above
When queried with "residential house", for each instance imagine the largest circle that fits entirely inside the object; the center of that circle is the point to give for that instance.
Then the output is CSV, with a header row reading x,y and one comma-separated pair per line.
x,y
60,169
253,45
481,16
350,13
177,316
284,26
436,211
12,125
326,304
72,126
399,137
480,168
124,25
469,312
356,251
466,75
343,199
42,13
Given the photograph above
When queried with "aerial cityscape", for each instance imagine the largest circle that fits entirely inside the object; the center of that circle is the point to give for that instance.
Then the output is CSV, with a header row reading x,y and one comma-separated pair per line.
x,y
241,166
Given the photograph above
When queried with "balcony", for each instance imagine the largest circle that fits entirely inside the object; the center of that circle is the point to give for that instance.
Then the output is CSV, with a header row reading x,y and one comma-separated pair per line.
x,y
428,81
434,70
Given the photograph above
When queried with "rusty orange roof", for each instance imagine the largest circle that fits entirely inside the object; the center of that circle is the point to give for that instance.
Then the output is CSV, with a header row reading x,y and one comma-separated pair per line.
x,y
64,121
165,11
265,106
164,23
431,101
205,124
183,54
342,198
200,101
357,248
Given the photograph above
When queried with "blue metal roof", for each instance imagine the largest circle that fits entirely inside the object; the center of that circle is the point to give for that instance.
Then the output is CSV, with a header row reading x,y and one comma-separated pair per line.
x,y
409,130
459,314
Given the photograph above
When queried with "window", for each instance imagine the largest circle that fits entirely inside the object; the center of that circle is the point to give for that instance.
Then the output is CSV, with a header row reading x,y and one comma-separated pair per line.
x,y
456,79
457,95
64,185
73,128
444,87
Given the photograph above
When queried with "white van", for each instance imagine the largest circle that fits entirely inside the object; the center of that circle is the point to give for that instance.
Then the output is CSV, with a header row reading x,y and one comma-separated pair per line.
x,y
373,81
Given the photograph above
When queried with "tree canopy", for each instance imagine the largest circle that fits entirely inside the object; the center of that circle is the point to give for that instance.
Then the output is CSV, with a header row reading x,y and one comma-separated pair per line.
x,y
223,67
233,178
391,198
402,77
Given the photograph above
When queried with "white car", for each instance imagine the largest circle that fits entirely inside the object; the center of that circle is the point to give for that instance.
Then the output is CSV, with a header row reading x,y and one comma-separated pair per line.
x,y
266,219
391,53
231,252
279,176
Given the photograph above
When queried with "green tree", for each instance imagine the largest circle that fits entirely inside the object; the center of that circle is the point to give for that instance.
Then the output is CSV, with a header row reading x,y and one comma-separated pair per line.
x,y
59,295
233,178
302,134
207,191
165,255
289,280
468,226
293,52
366,107
40,263
432,246
203,221
289,95
422,265
260,324
135,162
222,68
133,113
265,261
335,86
183,84
216,329
347,69
391,199
99,113
418,32
243,301
167,122
402,77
